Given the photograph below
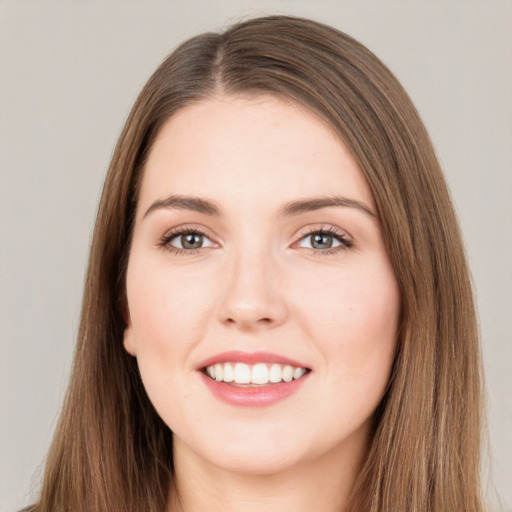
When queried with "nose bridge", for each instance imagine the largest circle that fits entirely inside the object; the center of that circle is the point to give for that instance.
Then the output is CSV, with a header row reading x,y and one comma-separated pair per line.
x,y
252,297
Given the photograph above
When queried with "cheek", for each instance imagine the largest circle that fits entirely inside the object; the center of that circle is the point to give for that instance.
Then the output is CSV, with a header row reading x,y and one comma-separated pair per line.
x,y
352,301
168,310
353,318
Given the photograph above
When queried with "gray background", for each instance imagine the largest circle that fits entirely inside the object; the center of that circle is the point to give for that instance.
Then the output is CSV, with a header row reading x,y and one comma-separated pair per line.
x,y
69,72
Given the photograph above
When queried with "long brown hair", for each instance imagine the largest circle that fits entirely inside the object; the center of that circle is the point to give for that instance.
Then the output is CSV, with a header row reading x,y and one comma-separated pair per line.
x,y
112,452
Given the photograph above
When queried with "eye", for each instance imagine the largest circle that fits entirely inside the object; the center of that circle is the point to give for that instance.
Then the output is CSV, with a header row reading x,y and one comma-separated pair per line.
x,y
325,241
185,241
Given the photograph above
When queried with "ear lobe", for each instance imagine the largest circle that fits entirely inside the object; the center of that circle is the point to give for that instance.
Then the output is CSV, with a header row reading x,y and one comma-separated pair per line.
x,y
128,341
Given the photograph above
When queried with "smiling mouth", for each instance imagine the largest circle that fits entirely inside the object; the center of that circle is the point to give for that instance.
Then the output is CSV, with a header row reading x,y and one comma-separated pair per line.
x,y
260,374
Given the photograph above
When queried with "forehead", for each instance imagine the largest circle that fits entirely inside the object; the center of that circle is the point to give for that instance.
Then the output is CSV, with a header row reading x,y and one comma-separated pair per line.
x,y
250,151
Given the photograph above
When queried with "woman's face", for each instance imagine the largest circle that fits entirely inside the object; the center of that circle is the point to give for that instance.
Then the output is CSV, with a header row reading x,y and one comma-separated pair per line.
x,y
263,308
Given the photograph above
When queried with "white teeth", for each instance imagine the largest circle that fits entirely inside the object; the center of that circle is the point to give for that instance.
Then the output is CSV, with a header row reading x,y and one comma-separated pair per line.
x,y
276,373
288,373
242,373
298,373
258,374
219,372
229,373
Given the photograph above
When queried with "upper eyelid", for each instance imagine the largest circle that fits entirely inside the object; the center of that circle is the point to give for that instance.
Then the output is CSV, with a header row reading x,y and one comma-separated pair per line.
x,y
328,229
325,228
304,232
179,230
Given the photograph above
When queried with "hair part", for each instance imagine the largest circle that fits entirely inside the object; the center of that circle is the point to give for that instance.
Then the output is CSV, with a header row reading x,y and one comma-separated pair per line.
x,y
112,451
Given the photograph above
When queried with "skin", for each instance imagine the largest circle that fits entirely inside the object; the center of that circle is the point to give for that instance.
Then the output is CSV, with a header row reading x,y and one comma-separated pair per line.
x,y
258,284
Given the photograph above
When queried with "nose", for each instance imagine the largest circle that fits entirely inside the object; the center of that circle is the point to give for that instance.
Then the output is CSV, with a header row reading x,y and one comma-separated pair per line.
x,y
253,297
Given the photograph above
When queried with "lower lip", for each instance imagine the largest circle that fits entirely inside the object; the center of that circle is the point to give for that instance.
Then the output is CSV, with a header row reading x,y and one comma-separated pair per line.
x,y
259,396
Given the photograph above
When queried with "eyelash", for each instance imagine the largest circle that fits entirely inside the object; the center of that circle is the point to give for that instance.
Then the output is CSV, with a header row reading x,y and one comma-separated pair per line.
x,y
345,243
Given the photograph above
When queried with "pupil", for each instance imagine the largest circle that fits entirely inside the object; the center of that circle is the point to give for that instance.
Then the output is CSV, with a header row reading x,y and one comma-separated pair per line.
x,y
321,241
192,241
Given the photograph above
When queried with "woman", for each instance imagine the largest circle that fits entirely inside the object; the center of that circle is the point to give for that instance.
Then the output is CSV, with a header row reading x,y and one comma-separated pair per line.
x,y
277,310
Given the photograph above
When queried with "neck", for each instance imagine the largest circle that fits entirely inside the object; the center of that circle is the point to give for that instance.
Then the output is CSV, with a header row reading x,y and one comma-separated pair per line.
x,y
322,484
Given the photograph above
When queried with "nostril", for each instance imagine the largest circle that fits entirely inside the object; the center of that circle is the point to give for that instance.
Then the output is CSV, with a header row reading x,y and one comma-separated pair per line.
x,y
265,320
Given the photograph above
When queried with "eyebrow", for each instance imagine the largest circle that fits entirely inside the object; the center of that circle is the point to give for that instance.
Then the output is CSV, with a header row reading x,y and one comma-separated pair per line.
x,y
297,207
195,204
309,205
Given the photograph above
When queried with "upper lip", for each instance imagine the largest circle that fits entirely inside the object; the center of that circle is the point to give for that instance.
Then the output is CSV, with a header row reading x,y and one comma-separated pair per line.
x,y
237,356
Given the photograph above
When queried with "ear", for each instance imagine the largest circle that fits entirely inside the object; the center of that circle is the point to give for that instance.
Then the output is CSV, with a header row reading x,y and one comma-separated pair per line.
x,y
128,341
128,336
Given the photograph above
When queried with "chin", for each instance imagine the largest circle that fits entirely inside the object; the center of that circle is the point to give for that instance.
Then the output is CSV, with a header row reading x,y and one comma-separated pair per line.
x,y
249,454
257,462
